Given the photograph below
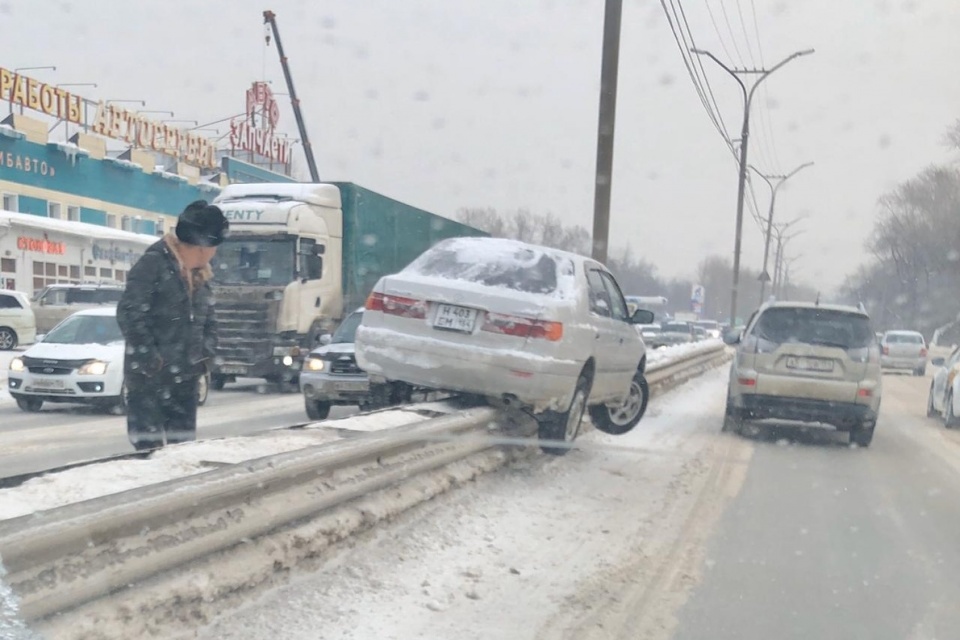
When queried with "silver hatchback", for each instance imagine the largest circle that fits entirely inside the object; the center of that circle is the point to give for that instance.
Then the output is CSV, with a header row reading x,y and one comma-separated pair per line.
x,y
904,350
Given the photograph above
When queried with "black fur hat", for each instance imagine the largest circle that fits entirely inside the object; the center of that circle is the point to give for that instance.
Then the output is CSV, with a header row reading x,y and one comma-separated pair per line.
x,y
202,225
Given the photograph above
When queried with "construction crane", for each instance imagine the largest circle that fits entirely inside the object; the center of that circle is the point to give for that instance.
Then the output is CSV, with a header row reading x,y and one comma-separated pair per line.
x,y
269,17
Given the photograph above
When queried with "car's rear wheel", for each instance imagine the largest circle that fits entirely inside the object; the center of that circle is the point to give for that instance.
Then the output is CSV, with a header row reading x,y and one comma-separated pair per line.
x,y
862,435
31,405
620,418
564,426
203,390
950,419
8,339
931,407
317,409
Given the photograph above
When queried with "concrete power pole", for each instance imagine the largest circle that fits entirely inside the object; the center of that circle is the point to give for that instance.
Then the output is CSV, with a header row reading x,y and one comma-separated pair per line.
x,y
608,113
762,74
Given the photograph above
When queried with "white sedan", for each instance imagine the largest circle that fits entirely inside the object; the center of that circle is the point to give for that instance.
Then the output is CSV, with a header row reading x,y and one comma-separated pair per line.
x,y
79,361
523,325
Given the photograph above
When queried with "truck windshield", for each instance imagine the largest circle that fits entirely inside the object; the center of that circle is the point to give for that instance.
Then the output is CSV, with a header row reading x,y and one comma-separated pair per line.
x,y
257,261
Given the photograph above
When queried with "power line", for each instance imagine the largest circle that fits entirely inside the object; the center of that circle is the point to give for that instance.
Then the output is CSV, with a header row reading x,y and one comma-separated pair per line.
x,y
723,44
733,38
746,36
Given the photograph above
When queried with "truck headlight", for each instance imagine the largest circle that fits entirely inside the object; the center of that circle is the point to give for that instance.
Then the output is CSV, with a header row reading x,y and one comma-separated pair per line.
x,y
93,368
17,364
315,364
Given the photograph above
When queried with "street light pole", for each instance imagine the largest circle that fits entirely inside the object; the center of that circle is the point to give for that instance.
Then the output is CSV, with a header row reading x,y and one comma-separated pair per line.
x,y
744,138
774,182
608,112
780,231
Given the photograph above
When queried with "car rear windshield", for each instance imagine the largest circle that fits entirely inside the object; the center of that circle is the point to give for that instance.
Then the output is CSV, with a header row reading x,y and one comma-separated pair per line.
x,y
904,338
515,266
826,327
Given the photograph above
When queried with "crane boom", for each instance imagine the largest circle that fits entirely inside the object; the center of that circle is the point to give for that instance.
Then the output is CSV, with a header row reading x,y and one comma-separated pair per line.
x,y
269,17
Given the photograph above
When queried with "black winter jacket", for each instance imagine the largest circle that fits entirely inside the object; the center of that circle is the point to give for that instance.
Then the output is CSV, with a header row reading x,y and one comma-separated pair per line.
x,y
168,333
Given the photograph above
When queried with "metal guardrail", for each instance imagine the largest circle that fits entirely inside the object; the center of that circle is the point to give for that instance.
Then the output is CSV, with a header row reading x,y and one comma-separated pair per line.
x,y
64,557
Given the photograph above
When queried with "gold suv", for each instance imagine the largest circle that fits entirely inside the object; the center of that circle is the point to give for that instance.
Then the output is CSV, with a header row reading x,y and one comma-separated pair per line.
x,y
807,362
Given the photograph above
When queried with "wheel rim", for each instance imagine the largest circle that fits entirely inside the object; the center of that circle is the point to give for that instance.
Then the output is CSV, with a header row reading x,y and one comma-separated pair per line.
x,y
202,390
630,407
948,410
575,415
6,339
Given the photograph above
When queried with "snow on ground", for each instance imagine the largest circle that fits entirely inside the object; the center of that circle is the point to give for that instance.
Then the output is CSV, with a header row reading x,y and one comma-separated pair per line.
x,y
538,550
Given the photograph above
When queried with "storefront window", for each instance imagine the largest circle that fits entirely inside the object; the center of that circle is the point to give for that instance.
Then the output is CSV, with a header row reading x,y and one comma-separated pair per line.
x,y
90,272
47,273
106,273
8,273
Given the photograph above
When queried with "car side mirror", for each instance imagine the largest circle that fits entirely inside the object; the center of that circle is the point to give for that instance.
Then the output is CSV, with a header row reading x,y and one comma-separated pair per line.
x,y
40,336
938,362
731,338
642,316
325,339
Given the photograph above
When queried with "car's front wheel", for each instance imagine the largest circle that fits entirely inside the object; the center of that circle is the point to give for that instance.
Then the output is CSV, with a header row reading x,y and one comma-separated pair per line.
x,y
31,405
203,390
617,419
564,426
950,419
317,409
931,407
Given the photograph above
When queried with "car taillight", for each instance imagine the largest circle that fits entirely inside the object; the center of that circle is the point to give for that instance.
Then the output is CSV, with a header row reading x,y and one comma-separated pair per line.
x,y
923,352
397,305
885,350
523,327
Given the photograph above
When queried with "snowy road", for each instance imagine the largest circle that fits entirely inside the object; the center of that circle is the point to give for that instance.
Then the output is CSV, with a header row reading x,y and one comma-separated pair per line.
x,y
63,434
674,531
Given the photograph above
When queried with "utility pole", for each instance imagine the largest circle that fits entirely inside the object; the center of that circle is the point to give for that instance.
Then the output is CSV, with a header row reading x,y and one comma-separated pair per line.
x,y
608,112
774,182
783,238
762,74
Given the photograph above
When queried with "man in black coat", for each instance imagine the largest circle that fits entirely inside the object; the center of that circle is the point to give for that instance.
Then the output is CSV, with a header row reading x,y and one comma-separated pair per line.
x,y
167,317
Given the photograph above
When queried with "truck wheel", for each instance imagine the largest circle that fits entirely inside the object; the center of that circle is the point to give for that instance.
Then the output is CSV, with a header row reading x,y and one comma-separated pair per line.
x,y
563,426
862,435
31,405
8,339
218,382
317,409
621,418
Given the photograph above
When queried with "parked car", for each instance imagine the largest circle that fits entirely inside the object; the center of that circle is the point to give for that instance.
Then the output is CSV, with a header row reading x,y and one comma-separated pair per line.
x,y
904,350
57,302
540,329
944,389
649,332
699,333
807,362
79,361
711,327
674,332
330,376
18,324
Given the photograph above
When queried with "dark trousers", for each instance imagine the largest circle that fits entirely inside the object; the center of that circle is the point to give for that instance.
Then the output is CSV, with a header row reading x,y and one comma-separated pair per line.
x,y
161,411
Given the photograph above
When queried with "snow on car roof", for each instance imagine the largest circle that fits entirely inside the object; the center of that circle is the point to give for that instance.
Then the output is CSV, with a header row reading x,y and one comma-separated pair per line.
x,y
99,311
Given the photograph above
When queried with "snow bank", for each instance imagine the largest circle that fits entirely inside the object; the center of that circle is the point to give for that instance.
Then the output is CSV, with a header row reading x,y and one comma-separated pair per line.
x,y
663,355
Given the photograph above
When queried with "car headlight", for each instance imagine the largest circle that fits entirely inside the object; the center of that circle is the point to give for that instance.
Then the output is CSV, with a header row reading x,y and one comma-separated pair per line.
x,y
314,364
17,364
93,368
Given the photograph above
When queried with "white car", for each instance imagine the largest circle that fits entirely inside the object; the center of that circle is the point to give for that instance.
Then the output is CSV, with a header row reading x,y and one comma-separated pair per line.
x,y
904,350
79,361
944,396
17,322
526,326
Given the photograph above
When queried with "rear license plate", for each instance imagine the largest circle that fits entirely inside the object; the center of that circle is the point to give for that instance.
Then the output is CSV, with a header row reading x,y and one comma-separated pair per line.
x,y
810,364
351,386
47,383
453,318
232,369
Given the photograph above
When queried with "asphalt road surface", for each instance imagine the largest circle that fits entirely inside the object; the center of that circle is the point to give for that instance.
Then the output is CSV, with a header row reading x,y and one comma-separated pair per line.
x,y
673,531
62,434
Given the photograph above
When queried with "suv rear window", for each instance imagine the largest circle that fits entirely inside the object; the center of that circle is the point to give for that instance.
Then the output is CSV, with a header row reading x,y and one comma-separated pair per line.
x,y
826,327
903,338
92,296
493,264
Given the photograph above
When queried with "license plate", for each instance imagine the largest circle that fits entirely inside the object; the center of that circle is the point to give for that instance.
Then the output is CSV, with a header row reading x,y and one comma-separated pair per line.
x,y
232,369
453,318
47,383
810,364
351,386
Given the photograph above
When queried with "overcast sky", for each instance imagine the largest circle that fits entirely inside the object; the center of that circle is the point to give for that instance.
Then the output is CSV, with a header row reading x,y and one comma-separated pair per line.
x,y
453,103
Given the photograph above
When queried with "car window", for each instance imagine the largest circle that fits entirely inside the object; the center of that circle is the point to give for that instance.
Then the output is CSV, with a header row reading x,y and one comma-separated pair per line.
x,y
85,329
676,327
81,296
347,331
599,298
512,265
54,297
618,306
814,326
904,338
9,302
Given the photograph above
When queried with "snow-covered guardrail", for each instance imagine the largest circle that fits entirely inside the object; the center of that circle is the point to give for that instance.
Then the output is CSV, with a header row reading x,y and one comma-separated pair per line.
x,y
61,558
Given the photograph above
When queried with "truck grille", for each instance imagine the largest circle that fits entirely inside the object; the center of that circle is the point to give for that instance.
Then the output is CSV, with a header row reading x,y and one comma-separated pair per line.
x,y
345,365
241,330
